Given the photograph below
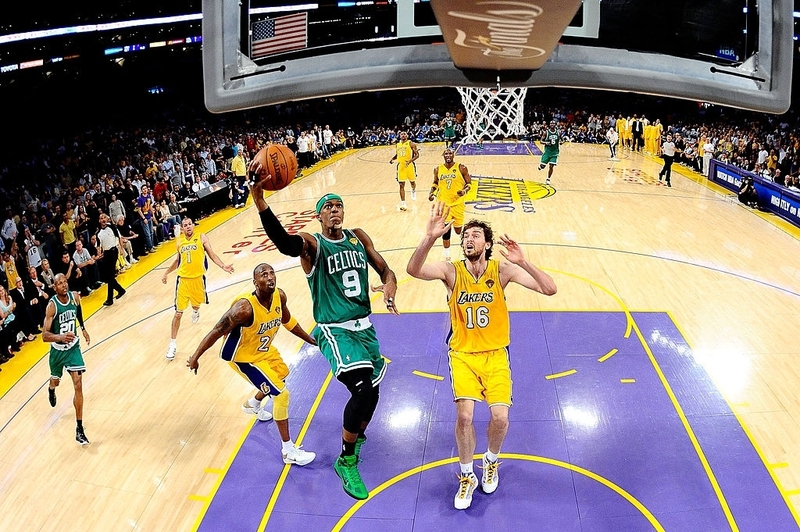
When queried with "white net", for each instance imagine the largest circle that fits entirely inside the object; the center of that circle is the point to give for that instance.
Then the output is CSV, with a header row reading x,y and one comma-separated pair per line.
x,y
494,114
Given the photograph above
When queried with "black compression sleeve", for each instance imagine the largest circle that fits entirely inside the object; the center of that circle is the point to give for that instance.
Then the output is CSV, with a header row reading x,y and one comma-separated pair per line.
x,y
80,316
287,244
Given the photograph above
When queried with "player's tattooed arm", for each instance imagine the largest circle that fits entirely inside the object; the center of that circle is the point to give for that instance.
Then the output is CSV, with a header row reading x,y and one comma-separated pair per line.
x,y
240,314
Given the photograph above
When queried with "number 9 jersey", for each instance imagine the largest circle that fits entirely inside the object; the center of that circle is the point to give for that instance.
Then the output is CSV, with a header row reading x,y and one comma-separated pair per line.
x,y
478,312
338,279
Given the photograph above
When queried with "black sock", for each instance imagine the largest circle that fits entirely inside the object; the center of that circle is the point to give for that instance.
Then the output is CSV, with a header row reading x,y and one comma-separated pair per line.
x,y
348,448
80,425
361,435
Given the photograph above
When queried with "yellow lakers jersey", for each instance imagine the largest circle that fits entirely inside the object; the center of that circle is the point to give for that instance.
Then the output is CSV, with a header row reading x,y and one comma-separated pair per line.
x,y
450,182
404,152
478,312
251,344
192,261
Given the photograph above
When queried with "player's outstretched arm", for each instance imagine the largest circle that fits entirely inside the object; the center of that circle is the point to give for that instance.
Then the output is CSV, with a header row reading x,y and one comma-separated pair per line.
x,y
300,245
214,257
436,227
388,279
241,313
523,272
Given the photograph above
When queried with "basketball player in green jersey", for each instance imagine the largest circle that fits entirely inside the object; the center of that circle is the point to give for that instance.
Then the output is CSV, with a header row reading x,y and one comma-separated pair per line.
x,y
448,124
336,264
550,139
65,348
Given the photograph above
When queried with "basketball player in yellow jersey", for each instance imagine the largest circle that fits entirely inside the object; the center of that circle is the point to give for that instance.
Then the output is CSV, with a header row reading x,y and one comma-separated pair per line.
x,y
249,327
480,334
620,127
628,130
405,154
191,263
451,182
657,132
648,138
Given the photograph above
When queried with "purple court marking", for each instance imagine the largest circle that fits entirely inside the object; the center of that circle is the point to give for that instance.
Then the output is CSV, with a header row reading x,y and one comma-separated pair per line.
x,y
628,434
499,148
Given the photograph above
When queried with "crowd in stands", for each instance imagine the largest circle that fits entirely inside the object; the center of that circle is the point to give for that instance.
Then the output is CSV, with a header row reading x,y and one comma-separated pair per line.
x,y
147,178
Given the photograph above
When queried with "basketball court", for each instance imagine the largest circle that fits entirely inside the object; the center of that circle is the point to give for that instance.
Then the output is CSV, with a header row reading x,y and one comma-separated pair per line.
x,y
654,391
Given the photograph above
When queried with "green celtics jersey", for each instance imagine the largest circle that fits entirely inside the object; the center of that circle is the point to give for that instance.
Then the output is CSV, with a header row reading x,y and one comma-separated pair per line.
x,y
339,279
550,141
64,320
449,127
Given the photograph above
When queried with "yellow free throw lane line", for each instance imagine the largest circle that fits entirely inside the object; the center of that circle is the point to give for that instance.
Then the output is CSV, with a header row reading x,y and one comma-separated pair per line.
x,y
207,499
285,472
688,428
607,355
428,375
562,374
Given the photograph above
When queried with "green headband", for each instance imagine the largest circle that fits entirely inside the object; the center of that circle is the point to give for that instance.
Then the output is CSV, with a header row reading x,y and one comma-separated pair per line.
x,y
327,197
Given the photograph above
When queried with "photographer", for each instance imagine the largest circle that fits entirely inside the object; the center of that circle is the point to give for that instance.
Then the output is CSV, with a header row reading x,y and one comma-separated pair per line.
x,y
747,193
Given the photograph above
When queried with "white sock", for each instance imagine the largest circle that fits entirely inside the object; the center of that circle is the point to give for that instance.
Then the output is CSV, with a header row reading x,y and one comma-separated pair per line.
x,y
286,446
466,469
491,456
254,403
446,252
173,342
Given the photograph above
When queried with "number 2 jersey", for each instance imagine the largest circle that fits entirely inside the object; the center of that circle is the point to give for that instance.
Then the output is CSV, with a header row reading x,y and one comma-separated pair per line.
x,y
338,279
478,311
254,343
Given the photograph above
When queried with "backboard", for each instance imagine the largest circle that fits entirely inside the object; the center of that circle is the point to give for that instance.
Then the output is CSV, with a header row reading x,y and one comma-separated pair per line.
x,y
729,52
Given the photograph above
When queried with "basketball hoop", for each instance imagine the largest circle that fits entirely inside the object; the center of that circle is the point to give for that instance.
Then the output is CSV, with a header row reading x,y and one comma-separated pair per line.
x,y
493,113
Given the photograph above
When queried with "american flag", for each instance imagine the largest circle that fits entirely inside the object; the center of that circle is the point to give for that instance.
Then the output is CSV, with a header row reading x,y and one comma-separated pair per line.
x,y
279,35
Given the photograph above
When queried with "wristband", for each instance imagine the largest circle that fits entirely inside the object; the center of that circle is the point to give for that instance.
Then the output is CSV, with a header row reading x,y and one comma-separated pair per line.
x,y
290,324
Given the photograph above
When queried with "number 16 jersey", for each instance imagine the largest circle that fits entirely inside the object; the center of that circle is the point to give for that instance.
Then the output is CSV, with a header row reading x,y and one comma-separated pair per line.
x,y
478,312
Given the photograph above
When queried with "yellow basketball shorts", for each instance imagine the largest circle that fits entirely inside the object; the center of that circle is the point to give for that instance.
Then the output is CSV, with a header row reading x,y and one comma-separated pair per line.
x,y
190,291
482,376
406,172
267,374
456,214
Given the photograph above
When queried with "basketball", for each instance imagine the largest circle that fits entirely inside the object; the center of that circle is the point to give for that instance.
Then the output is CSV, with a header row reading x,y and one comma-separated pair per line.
x,y
278,161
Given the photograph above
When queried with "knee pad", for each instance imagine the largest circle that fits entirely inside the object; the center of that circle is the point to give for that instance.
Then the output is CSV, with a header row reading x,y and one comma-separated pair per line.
x,y
446,236
358,409
371,402
280,405
357,381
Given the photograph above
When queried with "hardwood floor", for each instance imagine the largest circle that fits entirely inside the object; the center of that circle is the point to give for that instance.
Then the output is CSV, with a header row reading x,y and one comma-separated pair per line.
x,y
612,236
